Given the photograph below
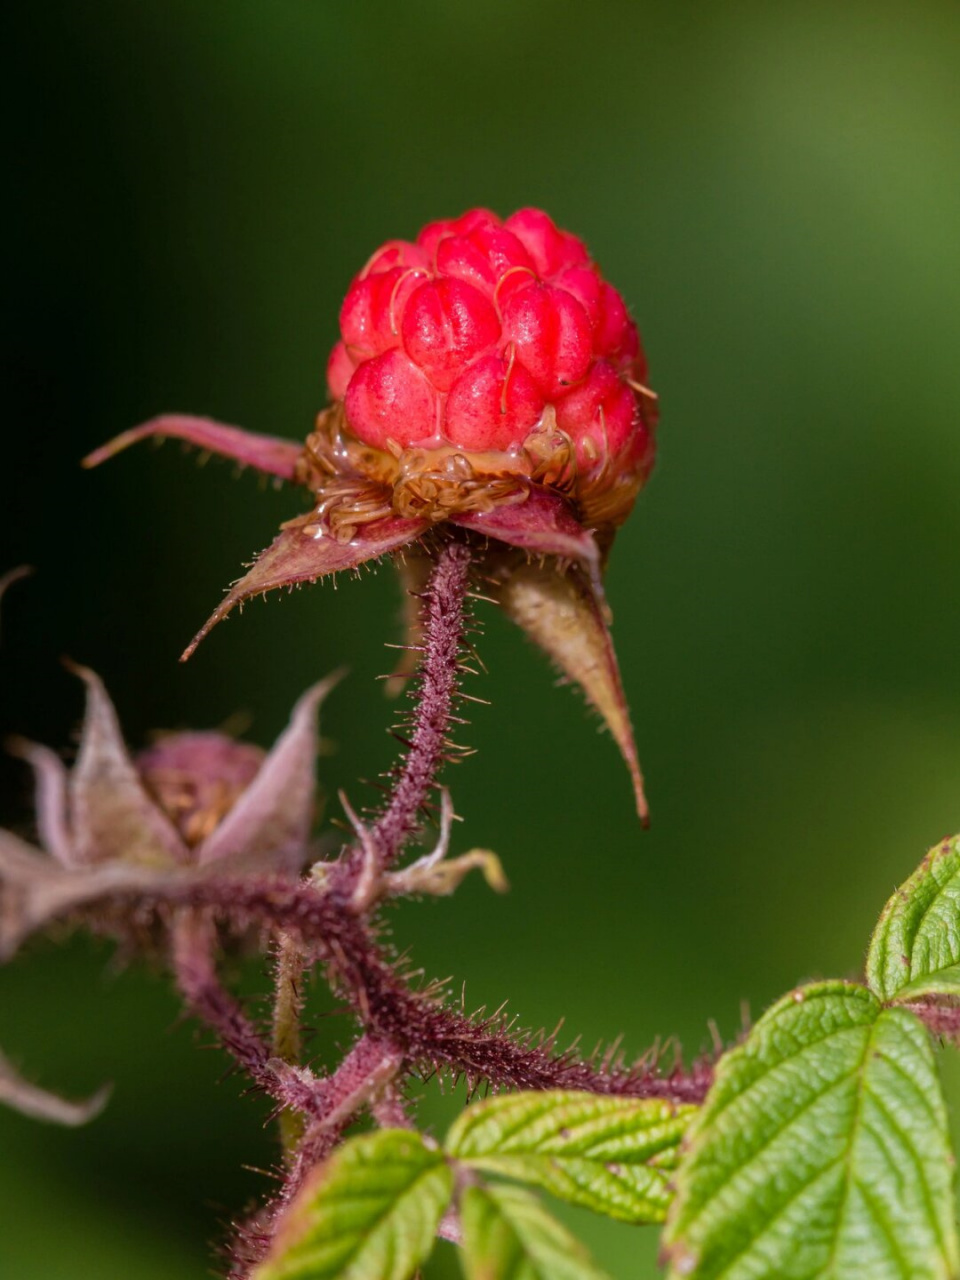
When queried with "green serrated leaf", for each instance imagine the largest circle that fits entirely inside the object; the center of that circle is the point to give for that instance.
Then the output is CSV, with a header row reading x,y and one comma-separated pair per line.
x,y
612,1155
915,948
508,1235
370,1212
821,1152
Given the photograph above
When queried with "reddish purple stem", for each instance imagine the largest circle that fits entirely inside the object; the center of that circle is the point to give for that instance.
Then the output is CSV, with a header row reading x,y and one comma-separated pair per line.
x,y
327,1101
428,1033
193,942
439,672
365,1071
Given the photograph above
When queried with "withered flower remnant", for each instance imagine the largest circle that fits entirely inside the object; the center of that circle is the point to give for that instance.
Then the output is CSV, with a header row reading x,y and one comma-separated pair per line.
x,y
489,386
192,809
194,806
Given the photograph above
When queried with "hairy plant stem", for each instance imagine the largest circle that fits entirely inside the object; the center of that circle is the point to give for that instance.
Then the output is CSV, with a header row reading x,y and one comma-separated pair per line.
x,y
362,1077
443,623
193,940
323,1100
429,1034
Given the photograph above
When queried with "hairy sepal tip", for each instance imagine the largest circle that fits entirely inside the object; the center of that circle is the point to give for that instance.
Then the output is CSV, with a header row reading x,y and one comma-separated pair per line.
x,y
304,552
269,454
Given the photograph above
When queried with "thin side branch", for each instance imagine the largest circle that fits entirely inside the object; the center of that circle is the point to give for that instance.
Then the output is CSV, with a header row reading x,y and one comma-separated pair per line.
x,y
289,977
365,1073
429,1033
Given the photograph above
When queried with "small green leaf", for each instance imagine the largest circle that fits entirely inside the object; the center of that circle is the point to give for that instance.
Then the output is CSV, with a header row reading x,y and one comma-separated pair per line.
x,y
915,948
612,1155
821,1152
508,1235
370,1212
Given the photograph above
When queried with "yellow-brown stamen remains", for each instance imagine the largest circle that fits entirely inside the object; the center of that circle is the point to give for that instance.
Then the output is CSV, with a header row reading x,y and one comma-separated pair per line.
x,y
356,484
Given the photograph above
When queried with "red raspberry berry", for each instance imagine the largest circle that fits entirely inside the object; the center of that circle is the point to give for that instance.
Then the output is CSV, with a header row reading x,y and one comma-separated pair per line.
x,y
483,332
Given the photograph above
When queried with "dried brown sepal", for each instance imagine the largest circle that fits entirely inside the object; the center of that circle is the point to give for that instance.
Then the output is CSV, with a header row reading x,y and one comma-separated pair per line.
x,y
563,614
50,798
278,809
440,879
111,814
34,889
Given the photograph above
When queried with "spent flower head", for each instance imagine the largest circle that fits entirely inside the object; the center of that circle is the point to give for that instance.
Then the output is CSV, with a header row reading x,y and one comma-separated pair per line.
x,y
193,806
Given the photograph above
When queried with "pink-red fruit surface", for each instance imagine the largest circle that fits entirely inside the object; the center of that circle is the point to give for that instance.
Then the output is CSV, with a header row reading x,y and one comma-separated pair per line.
x,y
471,334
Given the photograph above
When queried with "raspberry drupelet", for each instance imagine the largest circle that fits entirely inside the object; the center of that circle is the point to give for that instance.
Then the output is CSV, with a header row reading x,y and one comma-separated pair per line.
x,y
488,386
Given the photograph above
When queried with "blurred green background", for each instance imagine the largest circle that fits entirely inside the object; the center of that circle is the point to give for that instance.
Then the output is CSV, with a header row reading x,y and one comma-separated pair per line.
x,y
776,190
